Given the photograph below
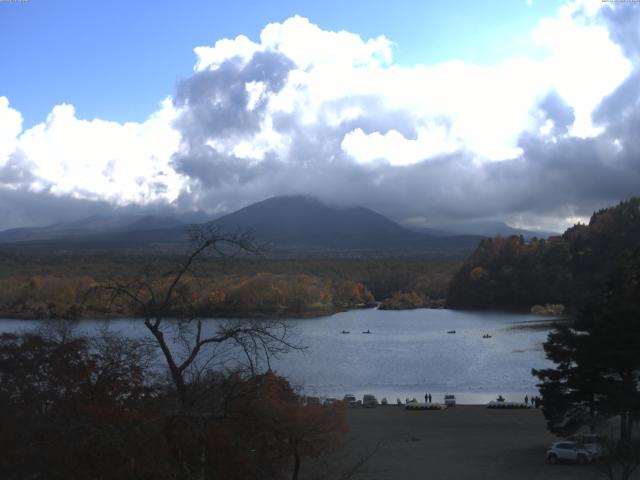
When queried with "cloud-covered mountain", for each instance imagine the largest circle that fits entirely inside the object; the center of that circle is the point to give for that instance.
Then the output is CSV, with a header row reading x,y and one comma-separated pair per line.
x,y
535,142
296,226
304,222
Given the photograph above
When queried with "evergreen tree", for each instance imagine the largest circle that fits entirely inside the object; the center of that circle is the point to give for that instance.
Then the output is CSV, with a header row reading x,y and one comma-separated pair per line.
x,y
597,373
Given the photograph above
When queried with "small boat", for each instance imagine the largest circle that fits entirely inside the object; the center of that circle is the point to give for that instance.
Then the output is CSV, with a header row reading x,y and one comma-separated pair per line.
x,y
451,331
344,331
367,331
486,335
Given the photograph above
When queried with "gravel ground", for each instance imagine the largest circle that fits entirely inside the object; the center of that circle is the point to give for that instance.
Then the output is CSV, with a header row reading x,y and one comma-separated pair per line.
x,y
465,442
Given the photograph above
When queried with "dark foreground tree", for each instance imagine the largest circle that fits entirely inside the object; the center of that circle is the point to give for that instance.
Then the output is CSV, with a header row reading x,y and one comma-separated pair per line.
x,y
597,373
191,347
76,408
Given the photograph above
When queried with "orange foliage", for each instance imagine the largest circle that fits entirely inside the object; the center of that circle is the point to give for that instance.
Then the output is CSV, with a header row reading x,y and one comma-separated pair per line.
x,y
216,296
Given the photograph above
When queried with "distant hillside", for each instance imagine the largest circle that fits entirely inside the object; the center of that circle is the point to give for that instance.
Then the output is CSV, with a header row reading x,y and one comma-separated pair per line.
x,y
482,228
293,227
509,272
89,227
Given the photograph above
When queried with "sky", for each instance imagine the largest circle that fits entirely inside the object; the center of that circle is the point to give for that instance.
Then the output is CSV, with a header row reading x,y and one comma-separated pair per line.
x,y
427,112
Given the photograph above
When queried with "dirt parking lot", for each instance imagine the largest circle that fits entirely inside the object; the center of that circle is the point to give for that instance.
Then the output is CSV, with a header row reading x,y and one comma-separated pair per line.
x,y
465,442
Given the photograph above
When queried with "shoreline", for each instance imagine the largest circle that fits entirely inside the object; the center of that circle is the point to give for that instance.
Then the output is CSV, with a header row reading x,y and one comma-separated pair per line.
x,y
545,321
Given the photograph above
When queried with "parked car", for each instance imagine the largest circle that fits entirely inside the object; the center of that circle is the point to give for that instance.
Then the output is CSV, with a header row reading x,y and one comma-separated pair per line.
x,y
566,451
450,400
350,398
596,444
369,401
329,401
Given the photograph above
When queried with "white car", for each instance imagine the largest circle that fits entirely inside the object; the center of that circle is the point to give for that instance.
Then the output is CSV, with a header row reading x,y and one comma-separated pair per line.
x,y
566,451
450,400
596,444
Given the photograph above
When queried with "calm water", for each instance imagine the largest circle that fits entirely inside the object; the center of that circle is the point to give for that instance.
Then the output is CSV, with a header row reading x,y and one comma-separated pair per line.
x,y
407,353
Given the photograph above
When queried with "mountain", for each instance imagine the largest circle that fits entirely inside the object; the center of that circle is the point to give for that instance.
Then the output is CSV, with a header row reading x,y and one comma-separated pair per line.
x,y
483,228
305,223
97,233
291,226
89,226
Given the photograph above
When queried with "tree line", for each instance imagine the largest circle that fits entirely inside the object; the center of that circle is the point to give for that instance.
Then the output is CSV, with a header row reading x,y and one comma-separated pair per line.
x,y
596,377
510,272
62,286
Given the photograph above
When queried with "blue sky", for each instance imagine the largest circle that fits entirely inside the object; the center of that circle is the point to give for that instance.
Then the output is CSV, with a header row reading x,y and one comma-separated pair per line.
x,y
427,112
117,59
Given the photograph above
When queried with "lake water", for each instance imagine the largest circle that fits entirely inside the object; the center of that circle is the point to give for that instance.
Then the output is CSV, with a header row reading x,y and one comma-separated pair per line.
x,y
407,353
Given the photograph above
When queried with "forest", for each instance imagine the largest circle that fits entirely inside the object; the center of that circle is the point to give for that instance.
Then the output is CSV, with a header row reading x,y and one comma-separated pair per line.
x,y
512,273
68,286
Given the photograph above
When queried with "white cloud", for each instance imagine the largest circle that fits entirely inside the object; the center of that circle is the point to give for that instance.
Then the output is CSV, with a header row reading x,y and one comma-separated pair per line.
x,y
395,148
584,65
212,57
479,109
311,47
10,128
337,101
97,159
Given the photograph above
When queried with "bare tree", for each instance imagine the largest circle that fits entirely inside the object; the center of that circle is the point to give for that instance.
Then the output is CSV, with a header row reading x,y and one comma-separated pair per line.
x,y
191,346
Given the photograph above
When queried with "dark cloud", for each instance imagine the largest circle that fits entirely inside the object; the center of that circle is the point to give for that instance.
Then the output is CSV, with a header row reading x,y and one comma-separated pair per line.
x,y
217,101
556,176
622,21
556,110
16,171
24,208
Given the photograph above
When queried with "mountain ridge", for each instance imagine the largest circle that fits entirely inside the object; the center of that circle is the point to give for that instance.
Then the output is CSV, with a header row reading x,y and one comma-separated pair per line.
x,y
289,225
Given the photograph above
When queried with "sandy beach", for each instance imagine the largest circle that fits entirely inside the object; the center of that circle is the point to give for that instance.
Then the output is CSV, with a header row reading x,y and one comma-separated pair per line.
x,y
465,442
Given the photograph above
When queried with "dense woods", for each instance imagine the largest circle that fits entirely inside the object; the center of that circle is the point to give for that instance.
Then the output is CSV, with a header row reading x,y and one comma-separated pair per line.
x,y
569,269
597,369
61,286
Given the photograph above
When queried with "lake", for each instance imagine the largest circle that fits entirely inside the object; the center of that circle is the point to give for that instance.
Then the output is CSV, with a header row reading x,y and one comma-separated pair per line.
x,y
406,354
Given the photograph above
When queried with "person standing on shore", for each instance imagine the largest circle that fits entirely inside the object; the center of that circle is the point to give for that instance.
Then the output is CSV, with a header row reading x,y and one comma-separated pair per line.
x,y
426,398
429,398
526,400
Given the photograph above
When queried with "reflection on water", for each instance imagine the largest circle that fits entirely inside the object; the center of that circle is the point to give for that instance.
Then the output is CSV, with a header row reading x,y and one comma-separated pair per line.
x,y
407,353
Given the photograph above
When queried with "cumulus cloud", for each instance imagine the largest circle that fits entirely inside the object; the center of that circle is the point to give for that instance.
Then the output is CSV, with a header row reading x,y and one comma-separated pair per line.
x,y
539,142
93,160
10,127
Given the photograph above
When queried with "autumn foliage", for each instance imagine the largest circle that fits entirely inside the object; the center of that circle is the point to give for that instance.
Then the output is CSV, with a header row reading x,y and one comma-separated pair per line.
x,y
45,296
510,272
71,408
